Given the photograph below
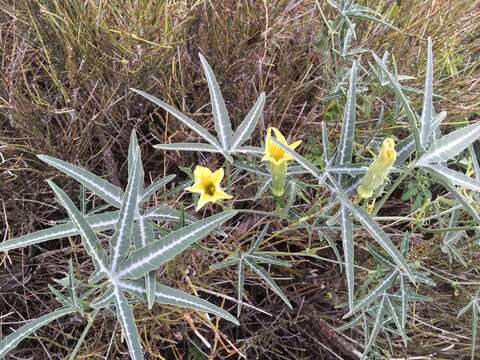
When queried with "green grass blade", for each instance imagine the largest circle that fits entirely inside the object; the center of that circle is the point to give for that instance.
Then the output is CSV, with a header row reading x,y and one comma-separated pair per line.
x,y
127,321
450,145
150,257
100,222
183,118
427,110
102,188
11,341
223,126
169,296
268,280
245,130
120,241
89,239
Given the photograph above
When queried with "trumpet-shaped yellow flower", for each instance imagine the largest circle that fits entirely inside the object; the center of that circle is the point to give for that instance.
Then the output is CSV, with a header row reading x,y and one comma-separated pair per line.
x,y
274,153
379,169
278,158
207,184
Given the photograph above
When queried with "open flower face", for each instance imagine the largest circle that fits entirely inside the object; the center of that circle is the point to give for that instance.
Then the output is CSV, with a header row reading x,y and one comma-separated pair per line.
x,y
274,153
207,184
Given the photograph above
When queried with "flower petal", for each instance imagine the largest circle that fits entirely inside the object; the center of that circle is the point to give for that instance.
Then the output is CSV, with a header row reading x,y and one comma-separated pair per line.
x,y
220,195
217,177
279,136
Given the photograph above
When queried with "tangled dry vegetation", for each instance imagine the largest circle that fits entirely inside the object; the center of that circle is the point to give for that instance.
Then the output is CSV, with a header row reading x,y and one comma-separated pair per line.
x,y
66,70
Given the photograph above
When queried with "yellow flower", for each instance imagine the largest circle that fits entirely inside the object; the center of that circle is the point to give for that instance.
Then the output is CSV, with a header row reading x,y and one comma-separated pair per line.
x,y
274,153
207,184
278,158
379,169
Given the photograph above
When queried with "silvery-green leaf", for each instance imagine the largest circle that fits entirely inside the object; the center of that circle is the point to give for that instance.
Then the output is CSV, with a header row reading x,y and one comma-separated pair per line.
x,y
240,284
348,252
404,298
445,181
405,147
349,169
268,259
376,328
259,239
170,296
333,246
161,212
250,150
475,163
102,188
223,126
373,295
427,110
347,39
401,96
345,146
150,257
142,236
245,130
375,230
132,149
200,147
475,313
154,187
103,300
127,321
11,341
120,241
230,261
325,143
450,145
268,280
382,238
89,239
455,177
100,222
183,118
397,320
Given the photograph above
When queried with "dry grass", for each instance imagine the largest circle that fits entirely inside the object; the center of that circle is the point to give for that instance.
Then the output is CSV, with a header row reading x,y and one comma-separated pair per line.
x,y
66,67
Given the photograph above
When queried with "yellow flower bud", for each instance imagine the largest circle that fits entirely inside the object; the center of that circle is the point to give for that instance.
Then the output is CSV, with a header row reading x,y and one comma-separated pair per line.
x,y
378,170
